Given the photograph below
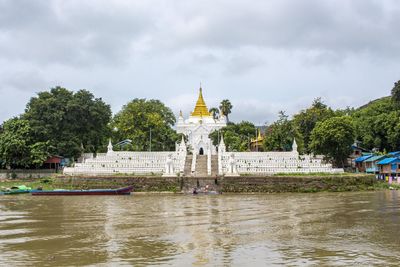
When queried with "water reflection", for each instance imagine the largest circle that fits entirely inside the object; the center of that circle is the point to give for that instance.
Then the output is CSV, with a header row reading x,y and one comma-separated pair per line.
x,y
269,229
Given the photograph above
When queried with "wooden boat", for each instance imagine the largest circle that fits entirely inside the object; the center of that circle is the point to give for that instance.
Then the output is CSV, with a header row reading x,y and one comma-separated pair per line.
x,y
204,191
63,192
207,193
20,189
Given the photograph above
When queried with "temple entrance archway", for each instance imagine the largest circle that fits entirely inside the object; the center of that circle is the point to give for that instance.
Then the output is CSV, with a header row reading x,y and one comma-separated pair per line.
x,y
201,151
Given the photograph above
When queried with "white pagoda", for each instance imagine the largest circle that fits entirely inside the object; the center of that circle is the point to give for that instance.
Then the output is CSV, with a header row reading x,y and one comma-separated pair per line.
x,y
198,127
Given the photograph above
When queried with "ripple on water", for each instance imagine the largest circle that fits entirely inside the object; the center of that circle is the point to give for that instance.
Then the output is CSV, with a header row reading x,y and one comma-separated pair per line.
x,y
278,229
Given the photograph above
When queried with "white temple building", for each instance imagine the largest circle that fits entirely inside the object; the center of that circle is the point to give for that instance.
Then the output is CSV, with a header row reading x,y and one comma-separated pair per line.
x,y
198,127
204,159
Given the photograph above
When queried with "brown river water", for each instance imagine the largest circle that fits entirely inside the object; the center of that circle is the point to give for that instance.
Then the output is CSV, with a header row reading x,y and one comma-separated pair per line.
x,y
322,229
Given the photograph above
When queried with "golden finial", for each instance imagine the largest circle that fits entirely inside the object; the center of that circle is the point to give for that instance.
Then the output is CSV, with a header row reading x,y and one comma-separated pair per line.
x,y
200,109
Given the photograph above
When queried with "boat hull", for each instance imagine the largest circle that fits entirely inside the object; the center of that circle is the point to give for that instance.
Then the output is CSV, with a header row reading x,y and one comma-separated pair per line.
x,y
207,193
93,192
15,192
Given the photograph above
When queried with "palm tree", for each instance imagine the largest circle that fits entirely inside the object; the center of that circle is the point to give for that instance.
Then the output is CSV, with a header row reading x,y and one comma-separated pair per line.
x,y
214,112
226,108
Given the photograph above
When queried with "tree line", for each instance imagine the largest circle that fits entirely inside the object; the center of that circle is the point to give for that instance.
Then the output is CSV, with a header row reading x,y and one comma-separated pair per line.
x,y
319,129
66,123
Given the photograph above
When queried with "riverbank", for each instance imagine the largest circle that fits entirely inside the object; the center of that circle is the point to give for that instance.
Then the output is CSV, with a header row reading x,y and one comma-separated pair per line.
x,y
244,184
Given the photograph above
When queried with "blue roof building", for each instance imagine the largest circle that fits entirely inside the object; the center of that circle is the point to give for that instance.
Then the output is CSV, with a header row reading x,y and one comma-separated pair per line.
x,y
362,158
371,163
389,166
394,153
360,165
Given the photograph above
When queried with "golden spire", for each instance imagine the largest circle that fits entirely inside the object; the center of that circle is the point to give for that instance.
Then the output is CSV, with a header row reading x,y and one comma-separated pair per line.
x,y
258,138
200,109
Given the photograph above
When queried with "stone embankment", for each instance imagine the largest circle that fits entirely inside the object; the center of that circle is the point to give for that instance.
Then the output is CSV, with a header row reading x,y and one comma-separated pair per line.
x,y
244,184
25,174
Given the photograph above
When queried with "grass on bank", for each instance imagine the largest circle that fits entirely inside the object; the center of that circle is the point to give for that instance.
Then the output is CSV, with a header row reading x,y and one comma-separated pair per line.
x,y
45,183
324,174
312,174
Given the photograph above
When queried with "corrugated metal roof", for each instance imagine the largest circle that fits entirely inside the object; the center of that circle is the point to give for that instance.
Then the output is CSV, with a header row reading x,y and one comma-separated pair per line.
x,y
361,159
375,158
387,161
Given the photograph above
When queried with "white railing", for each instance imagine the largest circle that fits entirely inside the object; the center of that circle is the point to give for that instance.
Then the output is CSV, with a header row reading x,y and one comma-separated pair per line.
x,y
259,163
128,163
209,162
194,159
220,163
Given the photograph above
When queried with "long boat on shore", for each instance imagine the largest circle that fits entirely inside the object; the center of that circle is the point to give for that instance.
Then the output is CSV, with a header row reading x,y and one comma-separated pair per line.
x,y
20,189
62,192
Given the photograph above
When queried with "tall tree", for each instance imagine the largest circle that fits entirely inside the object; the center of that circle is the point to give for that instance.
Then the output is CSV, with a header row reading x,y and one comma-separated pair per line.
x,y
214,112
333,138
143,120
305,121
396,93
17,147
67,120
226,108
279,136
374,123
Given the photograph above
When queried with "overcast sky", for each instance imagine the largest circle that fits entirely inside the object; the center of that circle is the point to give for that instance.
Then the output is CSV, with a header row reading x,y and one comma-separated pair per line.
x,y
264,56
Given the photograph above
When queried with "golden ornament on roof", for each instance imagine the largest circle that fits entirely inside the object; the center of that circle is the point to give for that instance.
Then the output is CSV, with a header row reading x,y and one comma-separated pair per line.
x,y
200,109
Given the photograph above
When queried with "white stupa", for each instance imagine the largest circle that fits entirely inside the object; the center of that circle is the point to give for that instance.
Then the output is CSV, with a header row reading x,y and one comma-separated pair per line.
x,y
198,127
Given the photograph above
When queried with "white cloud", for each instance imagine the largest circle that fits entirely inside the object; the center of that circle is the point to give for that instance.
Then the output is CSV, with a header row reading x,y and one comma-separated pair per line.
x,y
265,56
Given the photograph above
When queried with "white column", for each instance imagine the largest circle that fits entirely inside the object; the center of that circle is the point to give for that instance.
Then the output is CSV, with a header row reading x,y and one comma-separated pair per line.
x,y
169,167
232,169
221,151
110,150
219,162
209,160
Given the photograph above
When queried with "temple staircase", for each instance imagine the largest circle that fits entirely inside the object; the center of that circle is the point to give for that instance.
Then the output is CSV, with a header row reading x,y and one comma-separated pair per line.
x,y
187,171
200,178
201,166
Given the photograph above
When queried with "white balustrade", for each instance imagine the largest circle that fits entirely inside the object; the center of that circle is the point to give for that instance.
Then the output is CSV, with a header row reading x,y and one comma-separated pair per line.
x,y
127,162
260,163
194,159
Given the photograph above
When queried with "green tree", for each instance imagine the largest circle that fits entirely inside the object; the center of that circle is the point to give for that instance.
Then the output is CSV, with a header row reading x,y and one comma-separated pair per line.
x,y
279,135
140,118
396,93
226,108
214,112
305,121
348,111
376,125
236,136
333,138
68,120
18,149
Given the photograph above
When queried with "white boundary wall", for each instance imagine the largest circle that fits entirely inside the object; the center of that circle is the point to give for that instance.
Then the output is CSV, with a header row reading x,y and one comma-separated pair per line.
x,y
261,163
127,162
